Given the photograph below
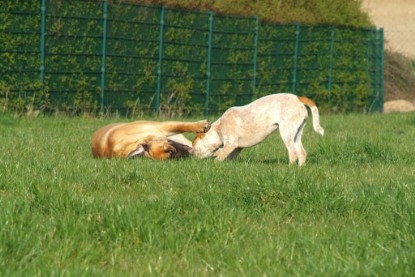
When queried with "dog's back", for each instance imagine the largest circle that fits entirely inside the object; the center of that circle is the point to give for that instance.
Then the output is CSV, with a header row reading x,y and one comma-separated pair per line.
x,y
100,140
253,122
105,141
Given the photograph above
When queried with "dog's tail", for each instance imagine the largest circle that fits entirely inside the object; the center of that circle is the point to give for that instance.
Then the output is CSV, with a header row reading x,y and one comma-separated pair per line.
x,y
314,111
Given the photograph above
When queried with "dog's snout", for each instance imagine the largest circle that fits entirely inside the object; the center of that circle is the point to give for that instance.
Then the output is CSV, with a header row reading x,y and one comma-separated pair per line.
x,y
180,150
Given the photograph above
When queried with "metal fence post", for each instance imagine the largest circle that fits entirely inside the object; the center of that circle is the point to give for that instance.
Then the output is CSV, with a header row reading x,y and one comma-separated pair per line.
x,y
330,79
381,71
209,61
42,42
160,61
255,56
295,63
372,63
370,33
103,57
378,78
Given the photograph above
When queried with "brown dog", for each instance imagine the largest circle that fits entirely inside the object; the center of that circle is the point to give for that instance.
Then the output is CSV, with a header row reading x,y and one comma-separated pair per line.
x,y
152,139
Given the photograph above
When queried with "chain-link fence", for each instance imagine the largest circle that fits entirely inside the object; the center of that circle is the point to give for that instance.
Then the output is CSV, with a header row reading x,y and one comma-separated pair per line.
x,y
400,65
99,56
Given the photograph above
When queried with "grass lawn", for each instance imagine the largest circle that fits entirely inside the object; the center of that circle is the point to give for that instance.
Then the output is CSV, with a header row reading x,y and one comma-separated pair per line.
x,y
349,211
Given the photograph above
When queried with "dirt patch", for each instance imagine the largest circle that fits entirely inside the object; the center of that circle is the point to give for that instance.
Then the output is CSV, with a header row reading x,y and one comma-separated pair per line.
x,y
397,17
398,106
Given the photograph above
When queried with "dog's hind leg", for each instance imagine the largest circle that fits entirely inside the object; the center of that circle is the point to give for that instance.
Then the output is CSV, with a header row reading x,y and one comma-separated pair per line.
x,y
287,136
298,146
291,135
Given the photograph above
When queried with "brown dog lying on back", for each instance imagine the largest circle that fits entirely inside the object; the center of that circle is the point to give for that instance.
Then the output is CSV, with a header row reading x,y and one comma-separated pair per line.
x,y
157,140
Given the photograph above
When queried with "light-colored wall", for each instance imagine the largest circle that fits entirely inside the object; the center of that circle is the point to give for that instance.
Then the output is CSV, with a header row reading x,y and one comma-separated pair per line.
x,y
397,17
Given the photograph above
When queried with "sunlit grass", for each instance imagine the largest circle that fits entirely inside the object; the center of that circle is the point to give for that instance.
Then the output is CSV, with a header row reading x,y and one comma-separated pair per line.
x,y
349,211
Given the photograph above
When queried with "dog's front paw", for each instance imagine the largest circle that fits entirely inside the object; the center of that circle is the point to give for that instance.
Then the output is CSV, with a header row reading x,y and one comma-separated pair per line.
x,y
203,126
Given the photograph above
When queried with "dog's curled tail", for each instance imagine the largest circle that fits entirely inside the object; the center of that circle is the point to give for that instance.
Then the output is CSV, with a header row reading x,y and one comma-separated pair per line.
x,y
314,111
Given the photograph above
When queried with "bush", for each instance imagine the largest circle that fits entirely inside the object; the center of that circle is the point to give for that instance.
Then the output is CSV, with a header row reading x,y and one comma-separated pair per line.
x,y
164,67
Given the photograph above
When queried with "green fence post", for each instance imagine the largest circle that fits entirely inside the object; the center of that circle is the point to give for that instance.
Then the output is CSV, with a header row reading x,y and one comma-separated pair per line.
x,y
160,61
382,63
255,56
372,63
295,63
209,60
330,79
370,33
103,57
378,83
42,42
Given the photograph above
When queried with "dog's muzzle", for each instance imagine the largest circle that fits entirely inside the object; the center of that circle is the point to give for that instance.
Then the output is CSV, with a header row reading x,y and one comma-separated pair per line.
x,y
182,150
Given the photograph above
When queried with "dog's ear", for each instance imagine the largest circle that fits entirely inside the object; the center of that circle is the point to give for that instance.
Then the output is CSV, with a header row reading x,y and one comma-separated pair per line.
x,y
141,150
180,146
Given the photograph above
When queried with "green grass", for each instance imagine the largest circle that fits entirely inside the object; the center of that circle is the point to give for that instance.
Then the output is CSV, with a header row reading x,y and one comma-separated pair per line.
x,y
350,211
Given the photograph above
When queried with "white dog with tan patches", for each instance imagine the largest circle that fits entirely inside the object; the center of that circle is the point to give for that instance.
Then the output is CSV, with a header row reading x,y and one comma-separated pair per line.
x,y
246,126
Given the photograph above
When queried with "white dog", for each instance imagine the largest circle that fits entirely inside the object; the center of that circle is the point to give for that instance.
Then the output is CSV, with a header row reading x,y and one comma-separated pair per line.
x,y
245,126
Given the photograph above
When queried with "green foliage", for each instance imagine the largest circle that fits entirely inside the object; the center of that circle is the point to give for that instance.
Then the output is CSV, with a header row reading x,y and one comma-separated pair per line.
x,y
310,12
232,62
150,66
184,63
72,65
20,88
349,211
131,61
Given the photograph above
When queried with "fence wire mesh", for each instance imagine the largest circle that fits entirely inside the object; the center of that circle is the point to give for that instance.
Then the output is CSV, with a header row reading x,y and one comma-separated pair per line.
x,y
99,56
400,65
